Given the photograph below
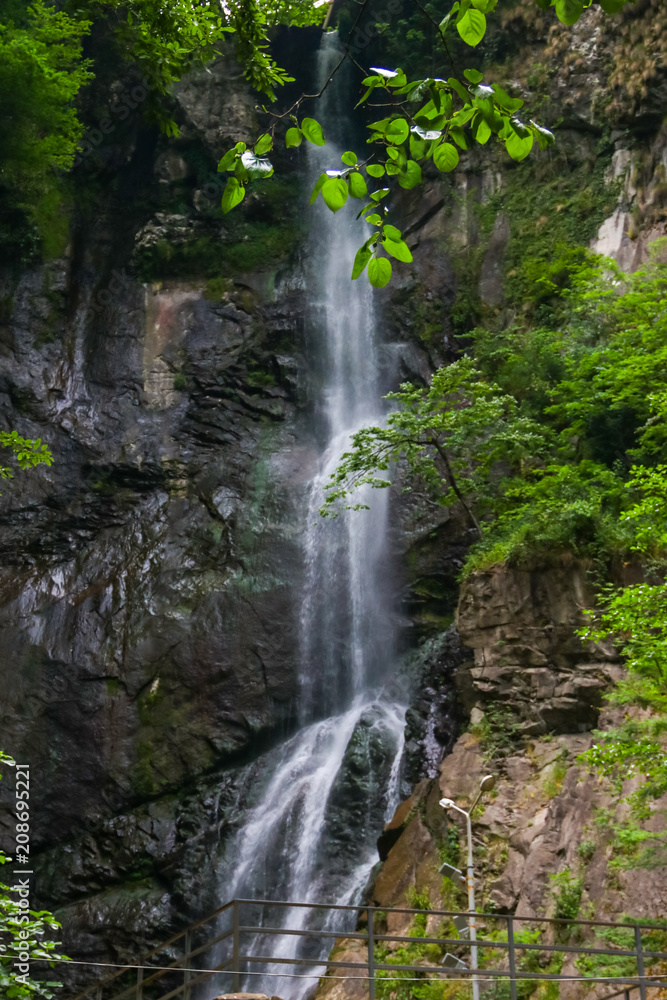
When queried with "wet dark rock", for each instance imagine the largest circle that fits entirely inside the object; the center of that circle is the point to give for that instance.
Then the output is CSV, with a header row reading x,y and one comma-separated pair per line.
x,y
360,790
432,721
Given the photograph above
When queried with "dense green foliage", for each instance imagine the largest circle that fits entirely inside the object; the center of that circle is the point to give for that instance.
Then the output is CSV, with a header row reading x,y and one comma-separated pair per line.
x,y
22,940
553,439
545,433
41,72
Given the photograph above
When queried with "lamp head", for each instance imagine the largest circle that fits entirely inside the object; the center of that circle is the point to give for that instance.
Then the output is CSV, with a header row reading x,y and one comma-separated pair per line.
x,y
446,803
487,783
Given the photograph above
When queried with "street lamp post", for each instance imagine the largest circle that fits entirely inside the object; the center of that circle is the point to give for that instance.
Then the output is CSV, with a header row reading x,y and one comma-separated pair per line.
x,y
485,785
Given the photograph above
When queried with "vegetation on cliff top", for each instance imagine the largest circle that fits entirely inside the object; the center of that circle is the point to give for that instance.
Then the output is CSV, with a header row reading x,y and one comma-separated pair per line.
x,y
552,435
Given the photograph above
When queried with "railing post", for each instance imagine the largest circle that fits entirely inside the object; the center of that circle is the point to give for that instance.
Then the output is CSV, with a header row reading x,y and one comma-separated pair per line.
x,y
186,965
371,954
512,955
98,993
640,962
140,989
236,952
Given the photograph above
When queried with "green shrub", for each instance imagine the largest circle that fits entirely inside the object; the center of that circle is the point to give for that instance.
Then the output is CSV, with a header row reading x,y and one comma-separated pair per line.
x,y
567,890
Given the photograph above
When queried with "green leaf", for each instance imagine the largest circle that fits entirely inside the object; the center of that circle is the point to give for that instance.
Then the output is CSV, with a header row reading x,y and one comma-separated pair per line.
x,y
379,272
362,257
544,136
375,170
459,137
418,148
228,161
612,6
240,171
516,125
256,167
380,126
374,219
319,184
365,96
313,131
569,11
349,159
503,99
392,233
263,144
397,131
380,194
446,157
519,147
398,249
473,75
400,80
233,194
472,26
460,89
483,133
358,186
293,137
334,192
410,176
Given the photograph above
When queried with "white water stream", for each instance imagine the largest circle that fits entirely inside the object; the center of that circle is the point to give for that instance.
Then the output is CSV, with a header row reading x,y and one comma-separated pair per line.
x,y
290,847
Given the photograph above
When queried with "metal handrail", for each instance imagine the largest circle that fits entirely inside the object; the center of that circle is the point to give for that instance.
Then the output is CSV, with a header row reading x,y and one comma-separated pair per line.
x,y
233,965
154,951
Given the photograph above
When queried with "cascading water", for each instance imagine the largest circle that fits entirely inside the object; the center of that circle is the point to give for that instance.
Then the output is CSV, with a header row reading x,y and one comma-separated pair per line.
x,y
311,837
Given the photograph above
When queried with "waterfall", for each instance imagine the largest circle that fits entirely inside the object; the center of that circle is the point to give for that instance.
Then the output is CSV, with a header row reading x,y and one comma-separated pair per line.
x,y
311,836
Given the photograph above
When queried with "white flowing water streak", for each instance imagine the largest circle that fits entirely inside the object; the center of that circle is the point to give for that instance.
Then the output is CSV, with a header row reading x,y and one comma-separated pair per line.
x,y
309,839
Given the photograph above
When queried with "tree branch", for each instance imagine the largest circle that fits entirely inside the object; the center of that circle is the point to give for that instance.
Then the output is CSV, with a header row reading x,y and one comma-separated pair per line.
x,y
454,485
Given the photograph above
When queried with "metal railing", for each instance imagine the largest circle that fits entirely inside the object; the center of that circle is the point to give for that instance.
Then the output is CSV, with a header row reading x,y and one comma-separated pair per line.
x,y
207,948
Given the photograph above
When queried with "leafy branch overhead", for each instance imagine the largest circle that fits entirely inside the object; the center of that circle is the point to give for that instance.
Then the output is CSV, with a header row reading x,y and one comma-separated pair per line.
x,y
433,120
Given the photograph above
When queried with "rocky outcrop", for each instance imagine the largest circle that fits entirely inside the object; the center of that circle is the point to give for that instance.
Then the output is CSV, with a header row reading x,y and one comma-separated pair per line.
x,y
149,586
528,660
535,691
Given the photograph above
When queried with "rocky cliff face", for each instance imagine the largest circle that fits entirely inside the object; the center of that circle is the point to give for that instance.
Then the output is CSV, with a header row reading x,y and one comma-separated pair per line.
x,y
528,661
548,815
150,578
